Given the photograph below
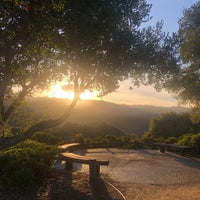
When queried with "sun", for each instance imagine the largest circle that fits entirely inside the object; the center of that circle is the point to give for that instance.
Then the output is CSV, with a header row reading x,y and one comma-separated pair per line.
x,y
88,95
57,92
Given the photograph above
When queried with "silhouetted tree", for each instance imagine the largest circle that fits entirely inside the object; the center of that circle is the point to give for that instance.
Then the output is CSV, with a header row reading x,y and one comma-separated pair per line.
x,y
88,44
187,84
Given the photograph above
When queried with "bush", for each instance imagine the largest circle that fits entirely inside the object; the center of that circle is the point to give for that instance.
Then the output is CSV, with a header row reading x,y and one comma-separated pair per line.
x,y
171,140
135,144
26,164
195,142
46,138
78,138
185,140
147,140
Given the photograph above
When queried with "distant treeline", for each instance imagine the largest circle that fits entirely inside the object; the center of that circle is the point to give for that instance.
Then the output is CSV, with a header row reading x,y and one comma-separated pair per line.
x,y
91,118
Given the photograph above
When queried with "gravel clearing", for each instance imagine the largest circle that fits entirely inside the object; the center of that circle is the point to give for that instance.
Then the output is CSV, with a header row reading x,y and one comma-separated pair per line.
x,y
151,175
148,166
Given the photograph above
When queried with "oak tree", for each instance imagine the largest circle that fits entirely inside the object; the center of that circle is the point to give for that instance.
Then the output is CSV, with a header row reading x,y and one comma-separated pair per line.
x,y
88,44
187,83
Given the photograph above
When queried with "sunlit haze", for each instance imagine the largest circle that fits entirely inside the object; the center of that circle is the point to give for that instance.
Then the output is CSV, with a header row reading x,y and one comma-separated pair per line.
x,y
57,92
170,11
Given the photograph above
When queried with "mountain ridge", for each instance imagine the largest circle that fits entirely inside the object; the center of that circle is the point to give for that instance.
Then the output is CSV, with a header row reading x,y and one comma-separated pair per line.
x,y
133,119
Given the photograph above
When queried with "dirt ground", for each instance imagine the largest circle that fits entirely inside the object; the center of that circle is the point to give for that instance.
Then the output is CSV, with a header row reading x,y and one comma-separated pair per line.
x,y
159,192
62,187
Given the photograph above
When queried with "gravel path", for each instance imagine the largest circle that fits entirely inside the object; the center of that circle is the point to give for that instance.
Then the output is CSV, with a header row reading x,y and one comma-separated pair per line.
x,y
149,174
148,166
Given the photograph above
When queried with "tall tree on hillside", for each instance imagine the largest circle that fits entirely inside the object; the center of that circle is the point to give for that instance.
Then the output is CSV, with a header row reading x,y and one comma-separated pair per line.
x,y
170,125
104,45
187,84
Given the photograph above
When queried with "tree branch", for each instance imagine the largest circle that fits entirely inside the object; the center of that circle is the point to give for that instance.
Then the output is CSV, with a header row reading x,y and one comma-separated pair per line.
x,y
43,125
15,103
5,80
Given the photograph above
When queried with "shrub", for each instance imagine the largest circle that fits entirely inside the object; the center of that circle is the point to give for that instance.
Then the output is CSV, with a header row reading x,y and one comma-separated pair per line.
x,y
98,142
185,140
171,140
78,138
26,164
46,138
135,143
147,140
195,142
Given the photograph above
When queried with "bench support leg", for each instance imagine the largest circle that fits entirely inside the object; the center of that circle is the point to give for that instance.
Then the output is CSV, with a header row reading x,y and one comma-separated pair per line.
x,y
162,149
94,170
68,164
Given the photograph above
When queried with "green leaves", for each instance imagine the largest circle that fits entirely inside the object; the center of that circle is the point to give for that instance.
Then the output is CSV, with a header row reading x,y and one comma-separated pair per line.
x,y
170,125
91,44
26,164
187,84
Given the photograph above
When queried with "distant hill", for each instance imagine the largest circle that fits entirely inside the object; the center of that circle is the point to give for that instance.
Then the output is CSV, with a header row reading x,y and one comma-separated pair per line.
x,y
129,119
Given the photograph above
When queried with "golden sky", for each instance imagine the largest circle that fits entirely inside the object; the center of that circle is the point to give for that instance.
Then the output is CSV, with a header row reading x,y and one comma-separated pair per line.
x,y
144,95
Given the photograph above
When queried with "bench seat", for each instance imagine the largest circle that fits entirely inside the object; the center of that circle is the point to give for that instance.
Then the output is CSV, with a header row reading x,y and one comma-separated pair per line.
x,y
94,164
69,147
81,159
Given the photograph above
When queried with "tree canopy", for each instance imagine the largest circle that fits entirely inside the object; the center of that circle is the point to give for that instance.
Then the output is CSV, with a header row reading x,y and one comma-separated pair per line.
x,y
187,84
170,125
27,46
89,44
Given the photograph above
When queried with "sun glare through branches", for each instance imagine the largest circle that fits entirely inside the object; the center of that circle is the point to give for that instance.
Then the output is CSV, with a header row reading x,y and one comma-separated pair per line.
x,y
57,92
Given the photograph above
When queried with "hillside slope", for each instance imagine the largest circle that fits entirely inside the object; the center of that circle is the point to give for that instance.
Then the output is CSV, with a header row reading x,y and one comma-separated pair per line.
x,y
130,119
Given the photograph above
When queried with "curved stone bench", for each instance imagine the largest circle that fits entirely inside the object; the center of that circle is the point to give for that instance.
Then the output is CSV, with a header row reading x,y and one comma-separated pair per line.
x,y
70,158
69,147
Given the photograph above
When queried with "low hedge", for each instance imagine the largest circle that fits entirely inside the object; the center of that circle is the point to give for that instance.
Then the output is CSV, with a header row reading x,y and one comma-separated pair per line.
x,y
26,164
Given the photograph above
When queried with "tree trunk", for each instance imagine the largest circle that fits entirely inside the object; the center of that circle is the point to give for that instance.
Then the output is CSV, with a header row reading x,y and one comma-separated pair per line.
x,y
43,125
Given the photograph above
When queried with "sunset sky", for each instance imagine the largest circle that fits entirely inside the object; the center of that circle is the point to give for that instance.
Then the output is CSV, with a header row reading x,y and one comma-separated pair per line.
x,y
170,11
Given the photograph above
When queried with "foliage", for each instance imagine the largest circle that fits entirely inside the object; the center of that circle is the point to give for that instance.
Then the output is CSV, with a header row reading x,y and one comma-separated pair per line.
x,y
185,140
135,143
170,125
171,140
26,46
195,115
192,140
5,130
195,118
88,131
104,36
26,164
96,142
187,84
111,141
78,138
46,138
147,140
195,140
88,44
